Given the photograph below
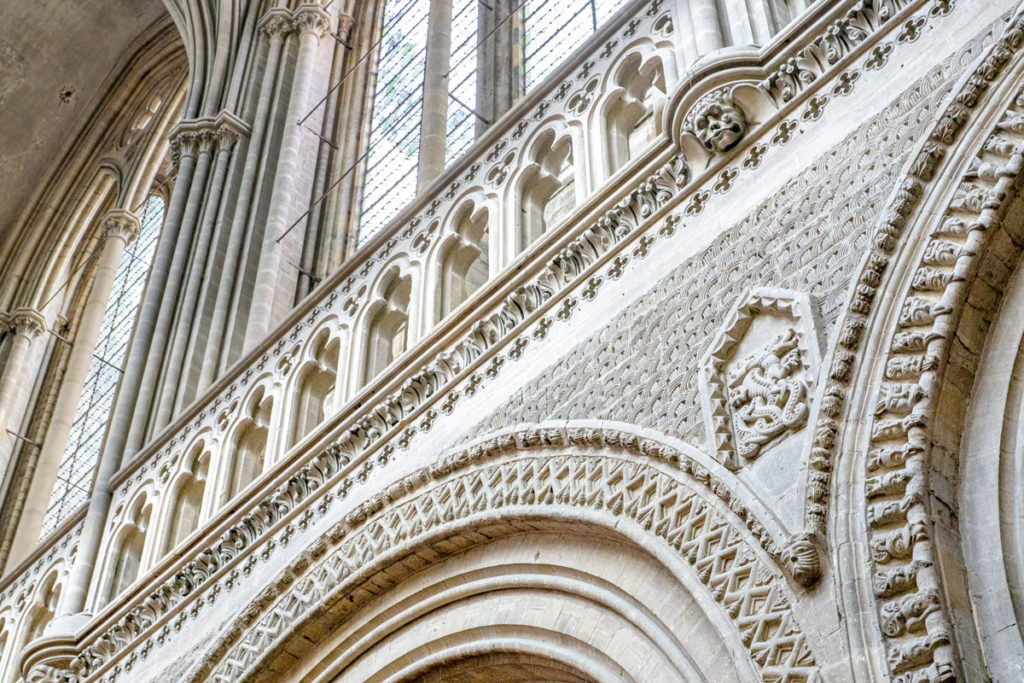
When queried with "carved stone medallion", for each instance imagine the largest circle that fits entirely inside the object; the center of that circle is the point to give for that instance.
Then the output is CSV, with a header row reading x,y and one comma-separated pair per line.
x,y
757,378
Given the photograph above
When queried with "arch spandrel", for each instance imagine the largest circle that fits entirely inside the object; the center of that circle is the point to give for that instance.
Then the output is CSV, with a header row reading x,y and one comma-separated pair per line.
x,y
632,489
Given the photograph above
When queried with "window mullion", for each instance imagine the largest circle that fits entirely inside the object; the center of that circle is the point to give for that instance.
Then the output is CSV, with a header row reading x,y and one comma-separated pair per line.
x,y
434,124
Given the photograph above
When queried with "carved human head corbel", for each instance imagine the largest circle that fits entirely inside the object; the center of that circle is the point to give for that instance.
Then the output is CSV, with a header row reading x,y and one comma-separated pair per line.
x,y
718,122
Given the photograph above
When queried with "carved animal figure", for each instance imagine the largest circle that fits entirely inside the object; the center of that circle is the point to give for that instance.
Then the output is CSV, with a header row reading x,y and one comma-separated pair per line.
x,y
767,395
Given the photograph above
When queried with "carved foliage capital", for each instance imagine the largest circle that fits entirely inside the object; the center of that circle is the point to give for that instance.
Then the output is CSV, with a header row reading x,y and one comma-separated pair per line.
x,y
276,23
121,223
183,144
311,18
27,322
345,23
206,134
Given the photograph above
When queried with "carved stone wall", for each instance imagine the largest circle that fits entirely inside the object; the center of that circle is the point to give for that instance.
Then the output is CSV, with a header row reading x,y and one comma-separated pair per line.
x,y
642,368
670,404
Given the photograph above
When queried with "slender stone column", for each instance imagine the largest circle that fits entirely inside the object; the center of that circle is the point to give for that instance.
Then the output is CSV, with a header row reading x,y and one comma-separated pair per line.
x,y
434,127
707,32
311,22
169,296
17,380
119,228
172,388
320,233
275,25
333,240
145,322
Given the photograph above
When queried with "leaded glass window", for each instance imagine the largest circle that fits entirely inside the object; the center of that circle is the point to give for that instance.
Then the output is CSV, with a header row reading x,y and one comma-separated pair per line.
x,y
552,30
462,71
555,28
82,451
394,144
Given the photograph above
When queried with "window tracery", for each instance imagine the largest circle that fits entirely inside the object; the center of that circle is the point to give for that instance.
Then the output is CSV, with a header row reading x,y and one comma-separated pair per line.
x,y
464,264
547,31
128,558
188,499
548,186
44,609
634,112
388,328
316,388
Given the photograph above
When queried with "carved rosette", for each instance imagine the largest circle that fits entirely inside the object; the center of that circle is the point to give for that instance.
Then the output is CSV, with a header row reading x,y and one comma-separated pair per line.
x,y
122,224
756,394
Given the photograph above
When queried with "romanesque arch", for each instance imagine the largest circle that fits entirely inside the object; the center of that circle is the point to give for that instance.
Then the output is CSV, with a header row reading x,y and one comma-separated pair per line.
x,y
607,487
903,369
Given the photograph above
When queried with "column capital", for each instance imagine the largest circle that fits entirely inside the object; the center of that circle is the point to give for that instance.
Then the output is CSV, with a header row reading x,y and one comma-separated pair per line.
x,y
26,322
229,129
183,144
345,23
121,223
276,23
310,17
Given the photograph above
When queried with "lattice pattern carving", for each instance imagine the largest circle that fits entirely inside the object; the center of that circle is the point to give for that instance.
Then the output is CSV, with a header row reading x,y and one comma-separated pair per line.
x,y
737,573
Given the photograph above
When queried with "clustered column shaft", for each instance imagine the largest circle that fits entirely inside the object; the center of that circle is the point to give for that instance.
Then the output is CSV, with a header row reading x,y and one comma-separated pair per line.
x,y
312,22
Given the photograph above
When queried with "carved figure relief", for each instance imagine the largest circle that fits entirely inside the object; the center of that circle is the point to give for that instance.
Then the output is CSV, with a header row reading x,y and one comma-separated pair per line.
x,y
767,395
719,123
756,394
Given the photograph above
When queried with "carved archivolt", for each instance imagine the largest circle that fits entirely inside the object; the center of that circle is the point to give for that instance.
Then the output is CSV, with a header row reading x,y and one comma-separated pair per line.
x,y
387,424
916,628
554,472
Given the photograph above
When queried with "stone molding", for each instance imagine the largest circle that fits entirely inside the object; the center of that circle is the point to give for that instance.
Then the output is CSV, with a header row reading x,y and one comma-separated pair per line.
x,y
915,625
563,467
527,305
